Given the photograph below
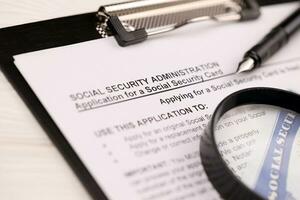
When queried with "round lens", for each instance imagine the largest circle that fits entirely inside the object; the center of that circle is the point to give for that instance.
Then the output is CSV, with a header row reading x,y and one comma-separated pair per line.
x,y
261,146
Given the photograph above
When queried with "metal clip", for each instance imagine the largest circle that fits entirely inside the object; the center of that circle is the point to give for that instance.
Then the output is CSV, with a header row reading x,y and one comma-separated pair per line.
x,y
132,22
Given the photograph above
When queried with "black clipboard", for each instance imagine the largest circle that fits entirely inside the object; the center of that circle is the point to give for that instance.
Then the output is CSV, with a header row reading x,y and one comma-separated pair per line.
x,y
49,34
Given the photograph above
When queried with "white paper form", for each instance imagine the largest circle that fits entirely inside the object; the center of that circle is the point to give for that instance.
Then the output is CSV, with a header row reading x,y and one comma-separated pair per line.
x,y
134,115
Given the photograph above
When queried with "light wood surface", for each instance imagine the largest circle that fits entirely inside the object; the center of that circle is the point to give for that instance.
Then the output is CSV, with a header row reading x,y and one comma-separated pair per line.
x,y
30,165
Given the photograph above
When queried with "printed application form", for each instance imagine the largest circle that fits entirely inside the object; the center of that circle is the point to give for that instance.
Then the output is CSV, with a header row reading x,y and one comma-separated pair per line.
x,y
135,115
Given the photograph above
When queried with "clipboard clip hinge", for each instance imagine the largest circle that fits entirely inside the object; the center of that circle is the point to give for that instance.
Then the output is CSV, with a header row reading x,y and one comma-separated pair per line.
x,y
124,37
133,22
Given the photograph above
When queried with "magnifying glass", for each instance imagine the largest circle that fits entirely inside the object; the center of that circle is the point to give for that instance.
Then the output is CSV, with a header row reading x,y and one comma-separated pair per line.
x,y
251,147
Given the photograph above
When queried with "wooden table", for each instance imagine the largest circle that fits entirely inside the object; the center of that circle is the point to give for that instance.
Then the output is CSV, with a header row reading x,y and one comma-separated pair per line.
x,y
30,165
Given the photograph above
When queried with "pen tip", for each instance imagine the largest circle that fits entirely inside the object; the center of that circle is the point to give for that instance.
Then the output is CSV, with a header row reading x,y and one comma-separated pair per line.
x,y
246,65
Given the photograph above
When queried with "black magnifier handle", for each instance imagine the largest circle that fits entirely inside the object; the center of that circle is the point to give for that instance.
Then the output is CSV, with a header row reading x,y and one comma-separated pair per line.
x,y
271,43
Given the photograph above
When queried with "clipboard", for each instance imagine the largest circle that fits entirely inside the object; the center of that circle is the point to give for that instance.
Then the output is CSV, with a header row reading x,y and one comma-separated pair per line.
x,y
49,34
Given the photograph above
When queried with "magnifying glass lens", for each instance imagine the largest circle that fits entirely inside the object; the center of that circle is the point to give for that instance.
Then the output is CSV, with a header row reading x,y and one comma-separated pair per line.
x,y
260,144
